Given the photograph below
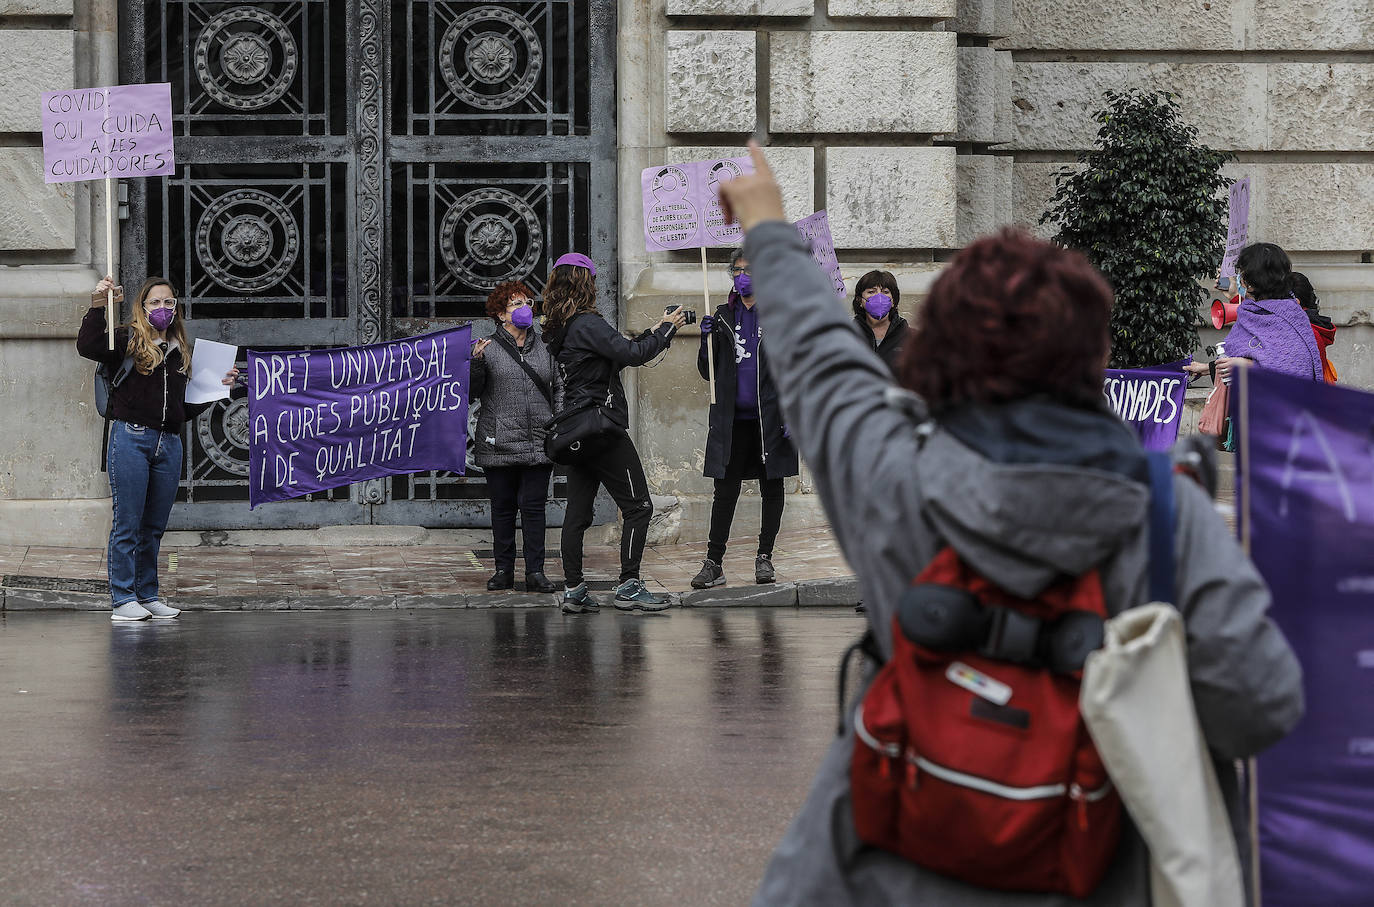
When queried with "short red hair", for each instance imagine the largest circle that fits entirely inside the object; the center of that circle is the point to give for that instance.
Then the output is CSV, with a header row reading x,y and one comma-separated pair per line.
x,y
502,295
1011,317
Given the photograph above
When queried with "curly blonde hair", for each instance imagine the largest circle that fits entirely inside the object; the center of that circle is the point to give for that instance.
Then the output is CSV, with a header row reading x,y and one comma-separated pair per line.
x,y
143,342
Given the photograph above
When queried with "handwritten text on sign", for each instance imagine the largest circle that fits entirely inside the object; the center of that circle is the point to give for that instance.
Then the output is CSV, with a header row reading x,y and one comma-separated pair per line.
x,y
815,229
121,131
1150,400
1237,225
682,204
325,418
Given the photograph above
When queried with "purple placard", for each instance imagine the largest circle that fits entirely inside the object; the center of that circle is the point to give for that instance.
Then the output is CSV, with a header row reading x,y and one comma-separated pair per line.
x,y
1150,400
1309,474
815,229
122,131
321,419
682,204
1238,225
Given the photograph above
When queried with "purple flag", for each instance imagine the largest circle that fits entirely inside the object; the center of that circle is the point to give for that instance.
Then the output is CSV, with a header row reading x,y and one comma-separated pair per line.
x,y
325,418
682,204
1308,477
815,229
121,131
1238,225
1150,400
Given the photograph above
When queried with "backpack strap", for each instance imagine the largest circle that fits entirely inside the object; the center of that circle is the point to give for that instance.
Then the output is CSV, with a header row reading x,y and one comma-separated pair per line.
x,y
1161,569
116,380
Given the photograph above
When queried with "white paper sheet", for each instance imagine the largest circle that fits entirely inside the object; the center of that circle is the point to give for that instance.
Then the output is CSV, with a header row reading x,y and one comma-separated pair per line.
x,y
209,362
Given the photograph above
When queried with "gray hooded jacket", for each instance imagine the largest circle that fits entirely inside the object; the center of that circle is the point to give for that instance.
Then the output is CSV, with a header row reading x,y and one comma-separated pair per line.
x,y
1024,493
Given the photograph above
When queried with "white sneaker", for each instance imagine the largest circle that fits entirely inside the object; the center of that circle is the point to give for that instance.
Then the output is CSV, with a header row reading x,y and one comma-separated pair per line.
x,y
159,611
130,611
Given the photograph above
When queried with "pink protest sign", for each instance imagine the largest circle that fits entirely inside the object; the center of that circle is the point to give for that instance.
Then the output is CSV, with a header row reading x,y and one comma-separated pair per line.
x,y
1238,226
815,229
682,204
117,132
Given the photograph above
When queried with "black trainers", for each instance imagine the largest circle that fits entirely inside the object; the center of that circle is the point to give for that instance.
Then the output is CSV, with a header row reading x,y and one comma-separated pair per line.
x,y
501,579
763,569
579,601
712,574
633,595
538,582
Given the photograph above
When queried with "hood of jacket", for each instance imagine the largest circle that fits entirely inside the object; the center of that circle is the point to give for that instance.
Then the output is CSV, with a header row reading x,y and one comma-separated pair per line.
x,y
1033,490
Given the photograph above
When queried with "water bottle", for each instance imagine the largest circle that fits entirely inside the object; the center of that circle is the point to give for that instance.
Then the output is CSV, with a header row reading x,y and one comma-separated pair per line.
x,y
1221,354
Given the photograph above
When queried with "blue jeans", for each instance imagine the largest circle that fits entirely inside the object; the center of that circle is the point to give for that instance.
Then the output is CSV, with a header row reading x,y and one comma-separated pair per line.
x,y
145,467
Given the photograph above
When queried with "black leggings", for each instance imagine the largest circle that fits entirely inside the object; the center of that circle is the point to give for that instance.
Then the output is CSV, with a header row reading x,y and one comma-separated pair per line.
x,y
723,514
618,468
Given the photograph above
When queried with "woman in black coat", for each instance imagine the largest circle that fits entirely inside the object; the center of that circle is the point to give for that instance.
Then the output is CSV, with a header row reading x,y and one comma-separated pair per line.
x,y
746,438
875,314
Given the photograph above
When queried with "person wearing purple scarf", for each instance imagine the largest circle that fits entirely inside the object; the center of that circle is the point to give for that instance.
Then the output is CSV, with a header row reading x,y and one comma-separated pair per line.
x,y
1271,329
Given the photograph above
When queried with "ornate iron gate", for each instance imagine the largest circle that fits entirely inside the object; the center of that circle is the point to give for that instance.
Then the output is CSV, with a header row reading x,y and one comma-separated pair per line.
x,y
357,170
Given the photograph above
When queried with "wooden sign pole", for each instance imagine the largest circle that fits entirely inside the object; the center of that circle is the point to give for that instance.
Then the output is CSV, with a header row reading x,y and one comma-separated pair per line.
x,y
710,338
110,314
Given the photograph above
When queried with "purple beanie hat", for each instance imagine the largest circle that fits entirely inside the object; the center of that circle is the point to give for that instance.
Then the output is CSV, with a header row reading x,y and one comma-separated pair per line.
x,y
577,260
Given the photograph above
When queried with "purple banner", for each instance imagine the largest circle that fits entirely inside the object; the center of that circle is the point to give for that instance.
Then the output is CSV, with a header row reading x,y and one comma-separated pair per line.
x,y
122,131
1308,476
1238,225
815,229
682,204
325,418
1150,400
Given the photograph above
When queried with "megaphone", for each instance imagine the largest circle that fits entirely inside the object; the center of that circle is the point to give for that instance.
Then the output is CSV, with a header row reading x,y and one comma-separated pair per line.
x,y
1223,313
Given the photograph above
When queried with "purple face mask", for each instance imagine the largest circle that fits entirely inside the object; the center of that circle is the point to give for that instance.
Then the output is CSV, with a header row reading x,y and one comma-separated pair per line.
x,y
161,319
744,285
878,305
522,317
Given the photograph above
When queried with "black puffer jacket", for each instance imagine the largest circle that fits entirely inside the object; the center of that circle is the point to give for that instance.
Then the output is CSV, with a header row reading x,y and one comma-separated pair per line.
x,y
592,354
157,400
890,349
511,419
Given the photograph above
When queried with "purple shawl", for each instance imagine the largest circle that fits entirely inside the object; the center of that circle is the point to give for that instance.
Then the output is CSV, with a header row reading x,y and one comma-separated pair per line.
x,y
1276,334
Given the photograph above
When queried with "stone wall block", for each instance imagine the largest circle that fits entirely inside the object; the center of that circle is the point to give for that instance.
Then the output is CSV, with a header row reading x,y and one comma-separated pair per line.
x,y
1320,106
1311,25
1053,103
1310,207
741,7
979,73
825,82
33,61
894,9
891,198
1128,24
794,167
34,216
36,8
990,18
1004,129
1033,187
983,194
710,82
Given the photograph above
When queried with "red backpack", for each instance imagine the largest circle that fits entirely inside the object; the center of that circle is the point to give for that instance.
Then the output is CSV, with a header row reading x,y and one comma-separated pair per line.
x,y
970,755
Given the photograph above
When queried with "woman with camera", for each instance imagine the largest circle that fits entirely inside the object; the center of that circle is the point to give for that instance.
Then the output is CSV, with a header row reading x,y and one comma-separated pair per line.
x,y
147,410
592,353
746,438
520,387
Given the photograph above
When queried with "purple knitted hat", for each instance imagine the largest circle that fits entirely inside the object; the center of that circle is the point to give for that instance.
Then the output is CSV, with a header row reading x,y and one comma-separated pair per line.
x,y
577,260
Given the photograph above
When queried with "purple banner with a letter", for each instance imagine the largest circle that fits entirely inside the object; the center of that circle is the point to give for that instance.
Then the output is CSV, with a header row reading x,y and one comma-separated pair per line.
x,y
1308,481
1150,400
121,131
321,419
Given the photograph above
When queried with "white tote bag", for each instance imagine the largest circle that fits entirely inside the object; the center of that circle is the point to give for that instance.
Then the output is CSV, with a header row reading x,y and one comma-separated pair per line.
x,y
1138,707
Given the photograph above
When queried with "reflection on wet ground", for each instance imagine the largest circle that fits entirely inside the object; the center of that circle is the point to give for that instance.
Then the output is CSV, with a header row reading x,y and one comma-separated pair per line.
x,y
450,756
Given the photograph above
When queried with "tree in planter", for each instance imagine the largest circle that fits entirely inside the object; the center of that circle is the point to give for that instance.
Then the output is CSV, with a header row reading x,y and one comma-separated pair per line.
x,y
1147,212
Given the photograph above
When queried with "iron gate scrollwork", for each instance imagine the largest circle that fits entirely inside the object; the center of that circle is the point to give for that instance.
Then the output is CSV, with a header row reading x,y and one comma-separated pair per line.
x,y
357,170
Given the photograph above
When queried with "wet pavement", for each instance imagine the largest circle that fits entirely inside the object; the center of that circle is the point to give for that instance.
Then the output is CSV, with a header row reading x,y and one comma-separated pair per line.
x,y
469,757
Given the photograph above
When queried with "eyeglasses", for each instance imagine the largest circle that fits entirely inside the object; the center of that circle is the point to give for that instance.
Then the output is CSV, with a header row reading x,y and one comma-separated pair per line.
x,y
735,272
161,303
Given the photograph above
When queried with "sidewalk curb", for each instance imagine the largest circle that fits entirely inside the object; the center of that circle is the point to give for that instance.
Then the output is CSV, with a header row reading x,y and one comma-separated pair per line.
x,y
828,593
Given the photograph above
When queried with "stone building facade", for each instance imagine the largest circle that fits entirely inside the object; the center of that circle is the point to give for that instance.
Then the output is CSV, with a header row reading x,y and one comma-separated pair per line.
x,y
918,124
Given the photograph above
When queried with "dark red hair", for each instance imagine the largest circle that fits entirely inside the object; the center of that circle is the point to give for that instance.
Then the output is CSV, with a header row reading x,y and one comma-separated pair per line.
x,y
503,294
1011,317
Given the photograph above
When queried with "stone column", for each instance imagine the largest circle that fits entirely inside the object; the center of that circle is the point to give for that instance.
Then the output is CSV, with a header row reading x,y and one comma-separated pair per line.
x,y
51,489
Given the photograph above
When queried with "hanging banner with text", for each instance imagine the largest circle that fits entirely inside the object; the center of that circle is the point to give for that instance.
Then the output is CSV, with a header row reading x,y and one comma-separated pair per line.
x,y
1237,226
1308,475
815,229
322,419
122,131
682,204
1150,400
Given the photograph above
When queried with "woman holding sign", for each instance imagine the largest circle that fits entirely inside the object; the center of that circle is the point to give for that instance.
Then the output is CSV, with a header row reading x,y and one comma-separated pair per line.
x,y
147,410
515,377
592,353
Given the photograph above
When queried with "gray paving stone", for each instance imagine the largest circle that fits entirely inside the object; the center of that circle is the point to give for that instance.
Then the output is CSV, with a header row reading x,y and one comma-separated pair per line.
x,y
379,602
451,600
511,600
843,590
48,600
774,595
